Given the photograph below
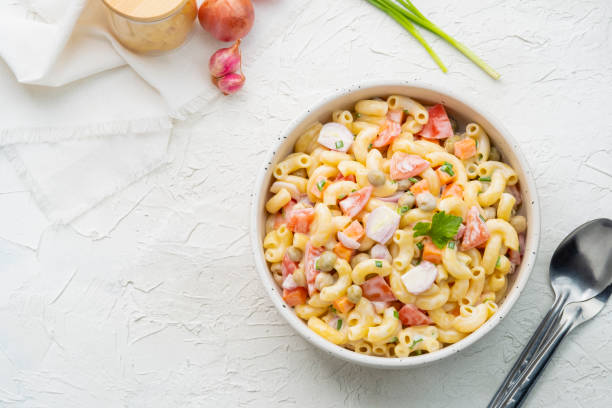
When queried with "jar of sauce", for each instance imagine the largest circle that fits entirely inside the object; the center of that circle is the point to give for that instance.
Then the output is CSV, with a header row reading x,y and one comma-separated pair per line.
x,y
149,26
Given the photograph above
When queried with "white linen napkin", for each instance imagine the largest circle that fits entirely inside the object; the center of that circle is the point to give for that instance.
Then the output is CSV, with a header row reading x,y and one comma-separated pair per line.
x,y
82,117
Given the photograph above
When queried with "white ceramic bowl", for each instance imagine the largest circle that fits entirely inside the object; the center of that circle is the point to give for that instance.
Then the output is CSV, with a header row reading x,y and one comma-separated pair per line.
x,y
428,95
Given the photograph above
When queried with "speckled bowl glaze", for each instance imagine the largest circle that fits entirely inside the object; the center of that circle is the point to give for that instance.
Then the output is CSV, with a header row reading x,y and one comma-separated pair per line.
x,y
346,98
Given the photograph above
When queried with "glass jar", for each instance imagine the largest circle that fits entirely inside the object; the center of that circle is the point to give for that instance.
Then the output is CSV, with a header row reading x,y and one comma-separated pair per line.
x,y
149,26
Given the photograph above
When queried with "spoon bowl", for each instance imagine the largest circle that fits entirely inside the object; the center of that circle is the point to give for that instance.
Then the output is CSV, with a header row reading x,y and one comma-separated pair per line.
x,y
581,266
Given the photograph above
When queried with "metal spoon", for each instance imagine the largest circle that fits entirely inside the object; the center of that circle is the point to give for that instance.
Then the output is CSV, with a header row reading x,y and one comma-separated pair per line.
x,y
580,269
573,315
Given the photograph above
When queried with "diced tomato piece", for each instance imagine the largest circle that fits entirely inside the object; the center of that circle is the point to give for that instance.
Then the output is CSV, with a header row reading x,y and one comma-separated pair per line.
x,y
377,290
419,187
299,220
438,126
389,131
354,230
319,186
288,266
444,177
295,297
452,189
476,232
410,315
343,305
404,165
310,258
396,115
354,203
343,252
432,253
466,148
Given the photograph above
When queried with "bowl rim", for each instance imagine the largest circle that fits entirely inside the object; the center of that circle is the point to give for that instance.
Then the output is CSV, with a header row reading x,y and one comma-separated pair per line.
x,y
299,325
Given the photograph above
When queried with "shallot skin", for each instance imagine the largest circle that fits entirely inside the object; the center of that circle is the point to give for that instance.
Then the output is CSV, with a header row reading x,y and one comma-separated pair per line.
x,y
231,83
225,61
227,20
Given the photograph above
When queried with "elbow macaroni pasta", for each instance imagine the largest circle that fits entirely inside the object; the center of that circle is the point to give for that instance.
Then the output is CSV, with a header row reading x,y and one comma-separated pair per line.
x,y
363,303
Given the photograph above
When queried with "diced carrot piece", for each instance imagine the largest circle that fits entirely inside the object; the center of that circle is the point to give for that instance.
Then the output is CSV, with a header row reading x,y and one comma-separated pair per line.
x,y
343,305
432,253
444,177
343,252
419,187
354,230
466,148
295,297
453,189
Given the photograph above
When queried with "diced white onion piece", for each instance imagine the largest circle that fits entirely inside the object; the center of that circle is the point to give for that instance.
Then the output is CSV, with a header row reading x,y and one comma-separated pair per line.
x,y
336,137
348,242
380,307
379,251
291,188
420,278
381,224
394,198
289,283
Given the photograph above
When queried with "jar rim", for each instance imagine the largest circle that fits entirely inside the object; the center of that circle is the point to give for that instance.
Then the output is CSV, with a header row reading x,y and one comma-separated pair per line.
x,y
113,6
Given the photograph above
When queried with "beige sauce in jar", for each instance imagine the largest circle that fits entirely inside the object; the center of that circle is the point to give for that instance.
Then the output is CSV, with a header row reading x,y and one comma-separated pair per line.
x,y
149,26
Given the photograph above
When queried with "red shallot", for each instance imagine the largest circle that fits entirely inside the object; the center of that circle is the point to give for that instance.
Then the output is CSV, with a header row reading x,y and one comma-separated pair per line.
x,y
227,20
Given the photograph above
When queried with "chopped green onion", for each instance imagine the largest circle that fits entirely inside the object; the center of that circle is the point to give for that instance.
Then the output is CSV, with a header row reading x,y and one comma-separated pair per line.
x,y
414,343
339,144
447,168
477,143
369,146
487,178
413,180
498,263
396,314
357,115
339,324
405,13
482,218
418,352
420,246
320,185
403,209
317,264
378,264
333,309
341,196
394,340
353,190
451,244
406,112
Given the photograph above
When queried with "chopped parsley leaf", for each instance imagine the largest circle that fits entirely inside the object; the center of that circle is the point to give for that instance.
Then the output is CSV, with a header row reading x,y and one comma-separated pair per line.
x,y
442,228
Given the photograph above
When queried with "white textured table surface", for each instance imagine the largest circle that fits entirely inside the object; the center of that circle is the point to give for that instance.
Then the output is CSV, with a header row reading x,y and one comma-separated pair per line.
x,y
151,299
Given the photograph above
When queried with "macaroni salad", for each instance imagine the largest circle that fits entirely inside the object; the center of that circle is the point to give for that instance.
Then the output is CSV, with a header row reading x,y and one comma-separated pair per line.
x,y
391,232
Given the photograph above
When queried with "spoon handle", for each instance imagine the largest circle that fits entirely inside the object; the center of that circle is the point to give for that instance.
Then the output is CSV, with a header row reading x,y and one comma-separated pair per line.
x,y
537,339
515,397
